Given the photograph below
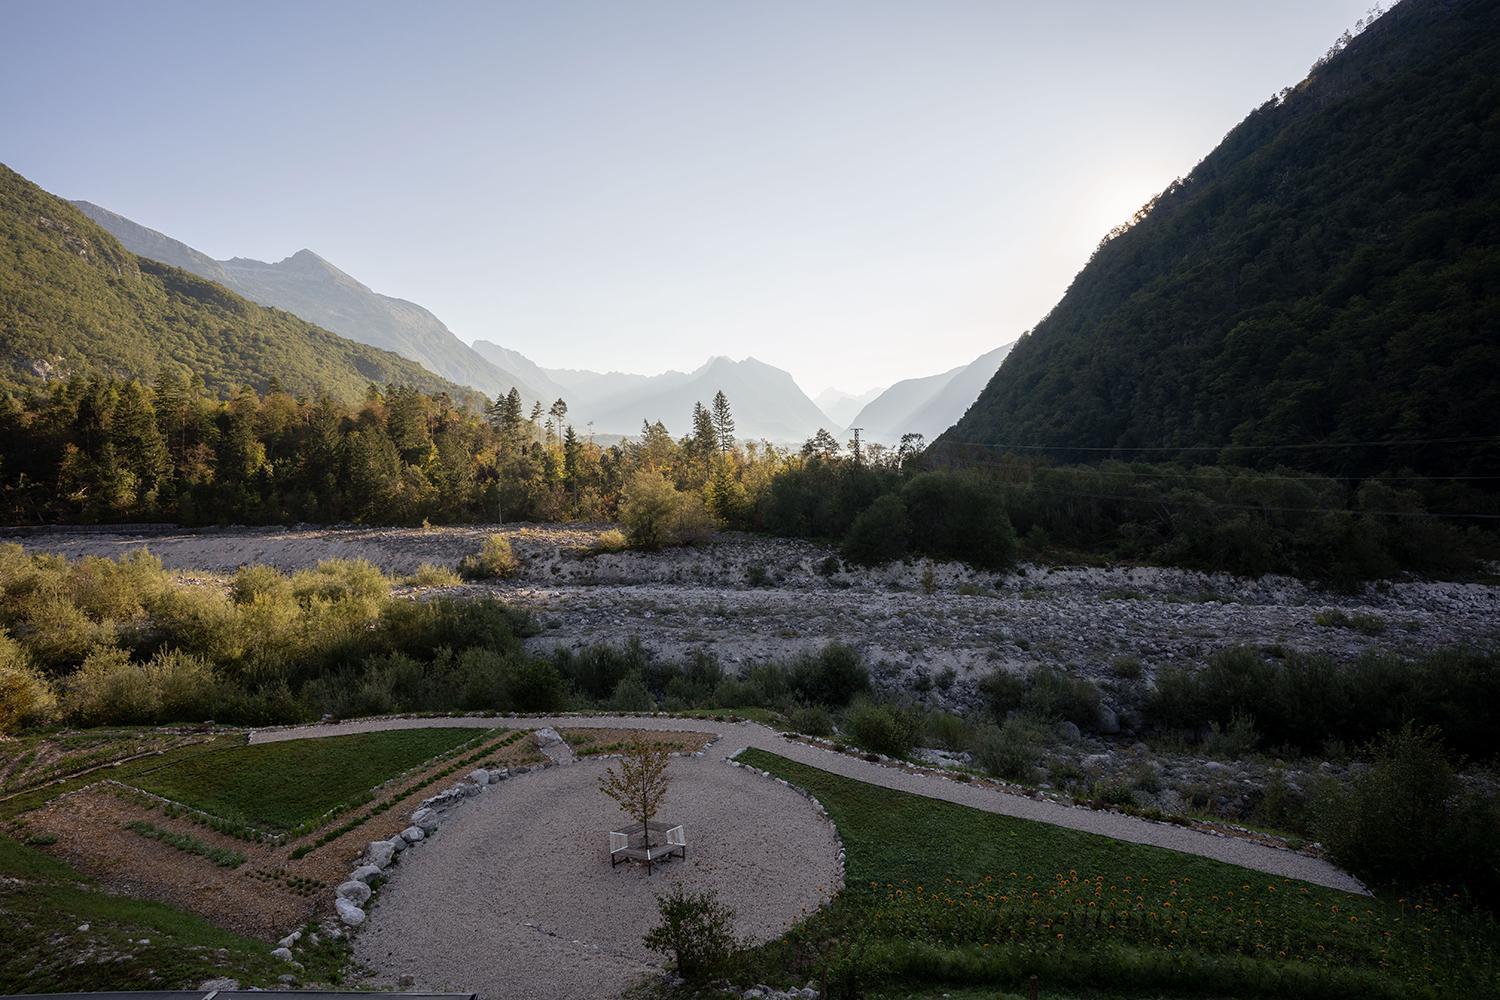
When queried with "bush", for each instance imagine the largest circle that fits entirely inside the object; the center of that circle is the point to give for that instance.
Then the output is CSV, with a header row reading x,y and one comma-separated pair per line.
x,y
880,534
632,695
26,696
108,688
959,515
613,540
494,561
696,932
356,580
811,720
1056,695
656,514
882,728
430,575
832,676
199,621
251,582
535,686
1408,822
1009,751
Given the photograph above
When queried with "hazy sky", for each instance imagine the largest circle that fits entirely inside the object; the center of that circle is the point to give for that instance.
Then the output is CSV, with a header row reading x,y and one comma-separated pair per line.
x,y
856,192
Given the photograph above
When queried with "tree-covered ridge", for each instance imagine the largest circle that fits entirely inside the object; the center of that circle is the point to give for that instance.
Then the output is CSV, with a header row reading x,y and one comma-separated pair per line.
x,y
73,300
1330,274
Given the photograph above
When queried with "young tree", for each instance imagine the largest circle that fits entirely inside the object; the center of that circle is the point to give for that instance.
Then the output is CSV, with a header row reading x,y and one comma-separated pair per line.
x,y
705,438
641,782
558,411
723,421
821,445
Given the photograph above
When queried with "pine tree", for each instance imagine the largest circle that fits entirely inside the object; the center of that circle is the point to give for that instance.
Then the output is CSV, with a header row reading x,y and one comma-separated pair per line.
x,y
723,420
705,438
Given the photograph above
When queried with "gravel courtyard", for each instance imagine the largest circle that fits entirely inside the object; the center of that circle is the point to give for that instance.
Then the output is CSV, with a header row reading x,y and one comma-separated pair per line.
x,y
515,897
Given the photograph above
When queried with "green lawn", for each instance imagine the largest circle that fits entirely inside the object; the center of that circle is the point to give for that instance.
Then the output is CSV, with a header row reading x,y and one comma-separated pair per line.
x,y
938,893
63,934
278,786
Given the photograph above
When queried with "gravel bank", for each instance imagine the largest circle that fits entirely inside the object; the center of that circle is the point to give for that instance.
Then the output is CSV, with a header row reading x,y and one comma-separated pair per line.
x,y
515,897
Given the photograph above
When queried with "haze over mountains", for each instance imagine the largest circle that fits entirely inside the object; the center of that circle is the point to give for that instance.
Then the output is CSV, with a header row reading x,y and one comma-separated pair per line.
x,y
927,405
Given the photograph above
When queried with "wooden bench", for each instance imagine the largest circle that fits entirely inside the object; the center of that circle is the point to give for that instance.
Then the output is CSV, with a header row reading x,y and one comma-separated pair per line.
x,y
629,844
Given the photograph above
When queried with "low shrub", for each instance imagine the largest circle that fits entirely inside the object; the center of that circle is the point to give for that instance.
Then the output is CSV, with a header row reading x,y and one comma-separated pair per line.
x,y
832,676
495,560
655,514
612,540
430,575
882,728
880,534
26,696
1009,751
811,720
696,933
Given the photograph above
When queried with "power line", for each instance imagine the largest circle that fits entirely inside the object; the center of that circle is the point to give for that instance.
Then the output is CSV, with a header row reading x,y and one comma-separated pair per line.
x,y
1489,438
1252,507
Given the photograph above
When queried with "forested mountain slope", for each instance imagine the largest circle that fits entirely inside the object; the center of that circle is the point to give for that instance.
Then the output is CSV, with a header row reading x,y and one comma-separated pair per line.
x,y
73,300
308,286
1328,277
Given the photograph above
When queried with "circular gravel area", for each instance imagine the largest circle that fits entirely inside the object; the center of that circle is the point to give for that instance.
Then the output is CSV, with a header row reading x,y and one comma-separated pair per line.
x,y
515,897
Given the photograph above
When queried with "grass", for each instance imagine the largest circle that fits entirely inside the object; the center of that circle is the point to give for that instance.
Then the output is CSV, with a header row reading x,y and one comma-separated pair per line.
x,y
940,894
45,907
188,844
285,785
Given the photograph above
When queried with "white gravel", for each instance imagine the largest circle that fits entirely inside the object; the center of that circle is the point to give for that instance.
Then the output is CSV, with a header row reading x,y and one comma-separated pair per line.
x,y
514,897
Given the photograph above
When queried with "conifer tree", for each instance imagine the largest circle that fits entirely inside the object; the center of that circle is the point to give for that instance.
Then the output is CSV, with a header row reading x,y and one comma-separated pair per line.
x,y
723,420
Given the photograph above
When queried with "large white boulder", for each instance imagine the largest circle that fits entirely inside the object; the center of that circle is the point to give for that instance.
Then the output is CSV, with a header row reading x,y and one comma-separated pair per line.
x,y
349,913
547,737
414,833
398,843
480,777
354,891
365,873
425,819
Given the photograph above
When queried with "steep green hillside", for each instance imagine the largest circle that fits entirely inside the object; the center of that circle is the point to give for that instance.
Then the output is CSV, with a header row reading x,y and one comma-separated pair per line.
x,y
72,299
1330,274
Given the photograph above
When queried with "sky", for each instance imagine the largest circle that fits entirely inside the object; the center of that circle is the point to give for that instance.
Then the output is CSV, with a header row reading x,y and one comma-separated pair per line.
x,y
856,192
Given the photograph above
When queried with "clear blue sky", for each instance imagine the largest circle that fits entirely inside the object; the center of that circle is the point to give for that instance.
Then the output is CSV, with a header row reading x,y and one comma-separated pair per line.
x,y
857,192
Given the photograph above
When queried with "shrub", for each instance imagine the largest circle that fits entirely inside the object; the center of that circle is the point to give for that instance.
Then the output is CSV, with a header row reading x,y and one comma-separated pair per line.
x,y
355,580
1233,741
1127,668
882,728
26,696
108,688
880,534
199,621
612,540
1337,618
535,686
832,676
108,590
494,561
958,515
184,687
1054,694
1003,692
656,514
632,695
430,575
251,582
811,720
696,932
1009,751
59,635
948,731
1407,821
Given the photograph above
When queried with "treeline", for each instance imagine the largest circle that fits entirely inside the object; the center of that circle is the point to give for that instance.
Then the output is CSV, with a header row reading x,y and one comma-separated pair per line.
x,y
102,450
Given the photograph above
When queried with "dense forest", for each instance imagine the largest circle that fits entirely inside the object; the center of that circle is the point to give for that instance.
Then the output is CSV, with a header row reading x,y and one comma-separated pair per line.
x,y
102,450
1326,279
73,300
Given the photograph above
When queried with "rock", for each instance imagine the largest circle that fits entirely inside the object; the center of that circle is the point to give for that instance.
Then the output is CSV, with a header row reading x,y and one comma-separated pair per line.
x,y
349,913
354,891
480,777
290,939
1069,731
365,874
414,834
380,853
547,737
220,983
425,820
398,843
498,774
83,928
1095,760
286,978
285,954
1109,722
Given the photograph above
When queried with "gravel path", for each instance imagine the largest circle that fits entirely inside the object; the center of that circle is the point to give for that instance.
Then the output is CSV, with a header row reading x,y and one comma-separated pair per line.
x,y
734,736
515,897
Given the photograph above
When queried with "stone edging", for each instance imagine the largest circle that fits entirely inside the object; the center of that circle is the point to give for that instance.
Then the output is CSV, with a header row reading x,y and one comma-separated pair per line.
x,y
838,877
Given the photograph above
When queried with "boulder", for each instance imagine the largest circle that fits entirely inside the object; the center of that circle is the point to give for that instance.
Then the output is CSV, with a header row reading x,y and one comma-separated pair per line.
x,y
414,833
285,954
398,843
289,940
1109,722
380,853
349,913
547,737
354,891
1069,732
480,777
365,874
498,774
425,820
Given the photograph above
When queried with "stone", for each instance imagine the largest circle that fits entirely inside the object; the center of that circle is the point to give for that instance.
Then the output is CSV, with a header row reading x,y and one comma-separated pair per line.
x,y
398,843
219,983
365,874
547,737
480,777
289,940
1096,760
499,774
414,834
1109,722
285,954
425,820
349,913
1069,731
354,891
380,853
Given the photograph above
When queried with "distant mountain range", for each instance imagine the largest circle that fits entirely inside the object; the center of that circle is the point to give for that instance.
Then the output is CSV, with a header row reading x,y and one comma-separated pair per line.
x,y
308,286
73,300
929,405
842,406
1324,283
